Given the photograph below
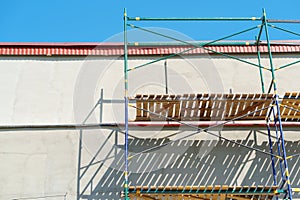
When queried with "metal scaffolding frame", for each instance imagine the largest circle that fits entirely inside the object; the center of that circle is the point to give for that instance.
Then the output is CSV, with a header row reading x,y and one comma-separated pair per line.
x,y
273,111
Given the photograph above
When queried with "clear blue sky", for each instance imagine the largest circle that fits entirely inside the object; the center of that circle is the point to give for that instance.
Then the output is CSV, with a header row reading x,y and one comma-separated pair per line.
x,y
97,20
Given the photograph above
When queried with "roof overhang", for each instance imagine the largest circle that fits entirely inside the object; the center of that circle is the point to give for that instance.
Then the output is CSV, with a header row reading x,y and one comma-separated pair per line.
x,y
143,49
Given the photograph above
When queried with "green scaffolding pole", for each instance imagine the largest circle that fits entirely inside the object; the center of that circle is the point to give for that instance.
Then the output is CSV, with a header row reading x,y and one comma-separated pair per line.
x,y
287,176
126,182
194,19
259,58
260,70
287,65
284,30
201,43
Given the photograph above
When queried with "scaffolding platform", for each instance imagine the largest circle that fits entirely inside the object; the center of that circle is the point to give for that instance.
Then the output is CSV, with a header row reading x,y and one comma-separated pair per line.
x,y
202,107
290,106
203,192
215,107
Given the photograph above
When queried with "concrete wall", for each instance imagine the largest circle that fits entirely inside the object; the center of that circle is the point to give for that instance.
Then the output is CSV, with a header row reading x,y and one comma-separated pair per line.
x,y
60,90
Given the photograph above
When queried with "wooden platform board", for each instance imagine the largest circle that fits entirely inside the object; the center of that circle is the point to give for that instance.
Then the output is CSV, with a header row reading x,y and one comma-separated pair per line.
x,y
202,107
217,192
289,106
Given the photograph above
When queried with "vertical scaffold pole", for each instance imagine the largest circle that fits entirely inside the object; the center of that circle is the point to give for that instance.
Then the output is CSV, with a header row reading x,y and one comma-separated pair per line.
x,y
258,57
271,151
277,108
278,147
79,164
166,77
101,106
126,191
260,70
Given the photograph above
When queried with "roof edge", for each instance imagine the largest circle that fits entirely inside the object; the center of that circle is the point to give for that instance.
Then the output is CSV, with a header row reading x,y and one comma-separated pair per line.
x,y
111,44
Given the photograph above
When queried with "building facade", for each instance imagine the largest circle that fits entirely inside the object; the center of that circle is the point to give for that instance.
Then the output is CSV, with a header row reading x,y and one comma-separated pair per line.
x,y
55,95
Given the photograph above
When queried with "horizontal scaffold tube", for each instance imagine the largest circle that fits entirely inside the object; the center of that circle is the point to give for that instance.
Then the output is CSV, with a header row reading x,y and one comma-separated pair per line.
x,y
50,127
194,19
201,43
148,126
283,20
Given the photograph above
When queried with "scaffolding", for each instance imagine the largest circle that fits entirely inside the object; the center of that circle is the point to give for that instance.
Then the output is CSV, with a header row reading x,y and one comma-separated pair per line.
x,y
177,109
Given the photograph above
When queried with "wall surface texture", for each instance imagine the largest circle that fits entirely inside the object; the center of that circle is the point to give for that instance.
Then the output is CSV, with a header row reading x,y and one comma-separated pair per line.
x,y
63,90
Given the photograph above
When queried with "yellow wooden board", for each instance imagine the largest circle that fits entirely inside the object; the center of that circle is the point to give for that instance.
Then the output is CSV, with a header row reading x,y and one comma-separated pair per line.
x,y
202,107
217,192
290,107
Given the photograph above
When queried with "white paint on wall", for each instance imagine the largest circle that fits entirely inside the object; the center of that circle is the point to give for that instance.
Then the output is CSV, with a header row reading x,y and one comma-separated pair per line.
x,y
59,90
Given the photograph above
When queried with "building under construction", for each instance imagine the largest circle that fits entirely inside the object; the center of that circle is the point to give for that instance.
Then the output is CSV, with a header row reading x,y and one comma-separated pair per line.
x,y
165,119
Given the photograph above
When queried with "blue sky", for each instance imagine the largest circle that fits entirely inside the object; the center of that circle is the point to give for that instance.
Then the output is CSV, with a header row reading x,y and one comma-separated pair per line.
x,y
96,20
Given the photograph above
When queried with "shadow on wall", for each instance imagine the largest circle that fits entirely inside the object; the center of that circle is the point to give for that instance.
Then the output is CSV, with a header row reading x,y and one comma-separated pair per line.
x,y
187,162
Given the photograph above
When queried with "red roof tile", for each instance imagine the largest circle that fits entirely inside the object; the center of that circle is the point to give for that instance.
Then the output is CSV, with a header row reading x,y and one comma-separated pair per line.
x,y
116,49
